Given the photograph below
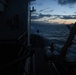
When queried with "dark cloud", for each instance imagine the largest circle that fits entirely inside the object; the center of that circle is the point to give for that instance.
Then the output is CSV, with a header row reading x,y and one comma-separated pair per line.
x,y
71,7
35,3
34,17
53,17
64,16
63,2
74,12
44,15
40,4
40,16
43,9
58,16
50,10
68,17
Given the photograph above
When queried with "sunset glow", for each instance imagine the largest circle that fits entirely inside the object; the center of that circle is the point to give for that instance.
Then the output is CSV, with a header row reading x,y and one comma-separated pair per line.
x,y
51,11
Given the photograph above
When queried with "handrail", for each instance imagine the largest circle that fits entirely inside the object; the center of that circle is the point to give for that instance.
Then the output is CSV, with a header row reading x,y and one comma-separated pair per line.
x,y
21,42
24,69
22,35
17,60
23,45
68,42
55,68
21,48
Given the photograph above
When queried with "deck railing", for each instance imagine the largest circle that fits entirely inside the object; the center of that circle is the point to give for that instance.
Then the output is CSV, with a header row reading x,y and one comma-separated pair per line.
x,y
24,53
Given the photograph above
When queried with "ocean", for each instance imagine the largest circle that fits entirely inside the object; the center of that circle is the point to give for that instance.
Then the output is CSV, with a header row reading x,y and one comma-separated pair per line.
x,y
57,34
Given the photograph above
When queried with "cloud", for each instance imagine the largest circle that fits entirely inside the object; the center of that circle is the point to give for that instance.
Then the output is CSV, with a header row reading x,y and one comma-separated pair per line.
x,y
71,7
40,16
34,17
50,10
44,15
74,12
53,17
38,3
64,17
68,17
43,9
64,2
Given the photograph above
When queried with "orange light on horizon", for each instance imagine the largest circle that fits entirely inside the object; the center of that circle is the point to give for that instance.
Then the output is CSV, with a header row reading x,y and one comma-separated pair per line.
x,y
56,21
62,21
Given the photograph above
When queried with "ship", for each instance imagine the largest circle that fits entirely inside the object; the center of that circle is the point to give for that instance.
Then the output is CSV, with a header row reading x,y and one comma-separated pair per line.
x,y
23,53
14,21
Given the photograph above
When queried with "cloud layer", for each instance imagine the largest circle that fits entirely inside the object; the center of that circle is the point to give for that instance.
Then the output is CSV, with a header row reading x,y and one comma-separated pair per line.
x,y
68,17
63,2
53,16
43,9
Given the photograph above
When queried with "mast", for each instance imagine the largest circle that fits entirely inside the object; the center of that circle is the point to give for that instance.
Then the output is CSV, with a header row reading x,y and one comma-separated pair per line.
x,y
29,21
28,26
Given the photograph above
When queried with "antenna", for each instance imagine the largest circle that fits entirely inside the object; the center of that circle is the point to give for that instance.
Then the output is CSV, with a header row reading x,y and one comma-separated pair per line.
x,y
32,10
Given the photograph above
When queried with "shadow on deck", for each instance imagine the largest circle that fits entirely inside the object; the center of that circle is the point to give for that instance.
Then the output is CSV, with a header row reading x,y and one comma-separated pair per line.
x,y
8,53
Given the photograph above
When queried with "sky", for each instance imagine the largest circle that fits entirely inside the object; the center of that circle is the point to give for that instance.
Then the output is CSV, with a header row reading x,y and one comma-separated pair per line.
x,y
54,11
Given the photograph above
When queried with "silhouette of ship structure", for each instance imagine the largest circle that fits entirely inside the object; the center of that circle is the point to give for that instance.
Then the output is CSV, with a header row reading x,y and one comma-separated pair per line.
x,y
23,53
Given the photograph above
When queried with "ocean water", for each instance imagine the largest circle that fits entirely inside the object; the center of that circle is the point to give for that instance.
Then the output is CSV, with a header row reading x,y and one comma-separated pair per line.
x,y
57,34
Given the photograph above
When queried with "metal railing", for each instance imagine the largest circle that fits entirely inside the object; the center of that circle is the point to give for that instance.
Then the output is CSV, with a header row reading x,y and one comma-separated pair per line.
x,y
26,53
29,53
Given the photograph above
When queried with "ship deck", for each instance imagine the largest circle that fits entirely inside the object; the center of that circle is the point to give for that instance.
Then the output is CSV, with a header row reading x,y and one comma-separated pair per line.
x,y
42,67
48,67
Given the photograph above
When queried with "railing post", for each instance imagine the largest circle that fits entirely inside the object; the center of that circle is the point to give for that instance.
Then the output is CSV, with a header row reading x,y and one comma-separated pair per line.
x,y
28,27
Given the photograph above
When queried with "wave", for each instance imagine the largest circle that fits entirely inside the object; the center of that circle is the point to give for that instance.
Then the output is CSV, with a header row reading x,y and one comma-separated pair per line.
x,y
58,35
